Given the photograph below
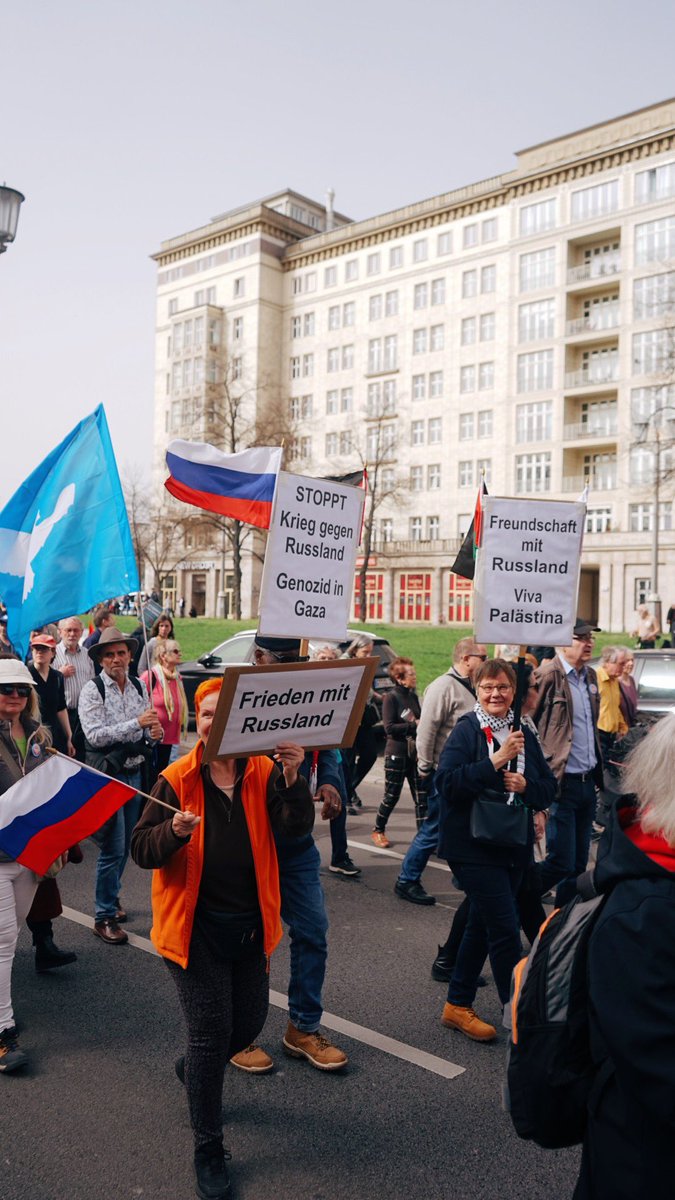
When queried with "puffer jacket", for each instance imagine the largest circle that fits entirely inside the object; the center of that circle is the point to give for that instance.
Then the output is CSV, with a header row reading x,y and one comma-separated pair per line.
x,y
36,754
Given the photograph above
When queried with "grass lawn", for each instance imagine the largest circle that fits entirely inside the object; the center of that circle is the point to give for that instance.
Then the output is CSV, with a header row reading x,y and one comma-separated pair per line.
x,y
429,646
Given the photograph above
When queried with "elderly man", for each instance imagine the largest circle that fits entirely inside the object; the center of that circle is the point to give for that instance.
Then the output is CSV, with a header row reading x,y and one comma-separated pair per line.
x,y
120,729
445,700
566,717
72,660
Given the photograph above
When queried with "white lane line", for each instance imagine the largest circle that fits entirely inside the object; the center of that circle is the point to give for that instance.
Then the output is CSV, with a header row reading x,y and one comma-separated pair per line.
x,y
358,1033
437,866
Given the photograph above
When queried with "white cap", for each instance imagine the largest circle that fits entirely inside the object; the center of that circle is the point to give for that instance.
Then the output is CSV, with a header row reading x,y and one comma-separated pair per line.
x,y
13,671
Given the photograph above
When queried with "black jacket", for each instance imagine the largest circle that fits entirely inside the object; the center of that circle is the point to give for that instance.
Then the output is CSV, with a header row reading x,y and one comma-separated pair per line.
x,y
629,1151
395,702
464,771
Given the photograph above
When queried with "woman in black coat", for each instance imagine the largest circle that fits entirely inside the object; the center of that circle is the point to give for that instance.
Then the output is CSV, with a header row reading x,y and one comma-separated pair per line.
x,y
400,714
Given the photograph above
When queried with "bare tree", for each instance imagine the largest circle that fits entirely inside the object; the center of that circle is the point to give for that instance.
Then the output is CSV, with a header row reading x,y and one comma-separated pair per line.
x,y
156,531
376,451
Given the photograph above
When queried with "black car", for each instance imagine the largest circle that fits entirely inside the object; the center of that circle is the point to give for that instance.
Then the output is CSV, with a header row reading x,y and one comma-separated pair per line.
x,y
239,649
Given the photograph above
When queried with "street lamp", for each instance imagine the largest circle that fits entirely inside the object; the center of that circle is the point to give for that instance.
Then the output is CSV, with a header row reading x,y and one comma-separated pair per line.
x,y
10,203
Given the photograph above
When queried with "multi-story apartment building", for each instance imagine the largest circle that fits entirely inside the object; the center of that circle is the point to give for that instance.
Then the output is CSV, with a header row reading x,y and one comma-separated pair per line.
x,y
520,327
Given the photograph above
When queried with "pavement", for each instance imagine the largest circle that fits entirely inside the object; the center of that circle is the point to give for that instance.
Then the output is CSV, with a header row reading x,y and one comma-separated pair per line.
x,y
100,1115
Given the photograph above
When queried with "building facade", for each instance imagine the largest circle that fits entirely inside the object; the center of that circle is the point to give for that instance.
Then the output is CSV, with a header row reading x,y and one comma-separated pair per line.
x,y
518,329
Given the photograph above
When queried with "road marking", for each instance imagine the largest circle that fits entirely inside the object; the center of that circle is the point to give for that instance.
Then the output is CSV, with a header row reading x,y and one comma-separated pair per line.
x,y
437,866
358,1033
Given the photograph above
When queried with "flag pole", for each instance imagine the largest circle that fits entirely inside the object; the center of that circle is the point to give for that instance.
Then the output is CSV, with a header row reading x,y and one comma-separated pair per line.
x,y
95,771
518,698
147,655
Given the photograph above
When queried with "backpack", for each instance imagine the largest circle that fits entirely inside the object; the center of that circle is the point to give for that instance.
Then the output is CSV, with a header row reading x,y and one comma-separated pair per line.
x,y
549,1068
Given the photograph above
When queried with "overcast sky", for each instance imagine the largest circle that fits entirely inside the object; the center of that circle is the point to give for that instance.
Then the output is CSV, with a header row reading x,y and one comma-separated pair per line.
x,y
128,123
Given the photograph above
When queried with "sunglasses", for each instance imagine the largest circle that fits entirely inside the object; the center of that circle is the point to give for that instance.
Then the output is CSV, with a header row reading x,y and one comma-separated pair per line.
x,y
22,689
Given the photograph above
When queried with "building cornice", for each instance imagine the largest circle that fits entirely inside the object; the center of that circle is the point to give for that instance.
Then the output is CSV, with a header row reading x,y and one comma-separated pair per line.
x,y
254,220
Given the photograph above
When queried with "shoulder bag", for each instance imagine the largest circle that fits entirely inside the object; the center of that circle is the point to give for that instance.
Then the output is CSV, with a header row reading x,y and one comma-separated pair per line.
x,y
495,822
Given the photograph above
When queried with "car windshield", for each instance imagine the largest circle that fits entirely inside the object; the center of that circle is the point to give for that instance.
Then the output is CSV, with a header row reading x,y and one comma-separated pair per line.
x,y
657,679
235,650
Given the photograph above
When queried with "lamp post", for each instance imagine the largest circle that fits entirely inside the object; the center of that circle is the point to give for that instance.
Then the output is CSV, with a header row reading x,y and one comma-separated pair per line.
x,y
10,204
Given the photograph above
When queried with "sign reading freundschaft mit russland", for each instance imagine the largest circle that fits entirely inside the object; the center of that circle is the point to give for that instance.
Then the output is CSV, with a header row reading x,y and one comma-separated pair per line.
x,y
308,576
527,571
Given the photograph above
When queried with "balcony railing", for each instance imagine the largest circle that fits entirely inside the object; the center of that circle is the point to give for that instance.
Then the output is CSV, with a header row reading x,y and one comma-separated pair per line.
x,y
582,429
596,483
586,377
418,546
597,268
605,318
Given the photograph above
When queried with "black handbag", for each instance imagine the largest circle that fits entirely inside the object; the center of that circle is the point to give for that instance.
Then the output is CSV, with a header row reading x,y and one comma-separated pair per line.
x,y
496,822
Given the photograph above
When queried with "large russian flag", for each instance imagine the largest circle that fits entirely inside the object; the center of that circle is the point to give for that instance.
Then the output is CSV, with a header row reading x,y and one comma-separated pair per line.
x,y
54,806
234,485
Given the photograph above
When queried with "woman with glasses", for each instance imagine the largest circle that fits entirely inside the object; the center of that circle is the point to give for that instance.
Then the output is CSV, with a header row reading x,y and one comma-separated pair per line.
x,y
478,758
23,746
167,695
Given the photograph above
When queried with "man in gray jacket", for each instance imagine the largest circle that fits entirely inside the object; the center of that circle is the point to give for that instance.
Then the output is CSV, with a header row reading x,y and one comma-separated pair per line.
x,y
445,700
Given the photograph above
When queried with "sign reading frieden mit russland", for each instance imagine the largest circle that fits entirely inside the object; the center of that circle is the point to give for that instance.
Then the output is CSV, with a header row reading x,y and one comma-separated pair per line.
x,y
527,570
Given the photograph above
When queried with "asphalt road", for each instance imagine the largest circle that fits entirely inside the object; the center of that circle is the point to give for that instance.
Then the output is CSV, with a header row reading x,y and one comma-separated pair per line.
x,y
100,1115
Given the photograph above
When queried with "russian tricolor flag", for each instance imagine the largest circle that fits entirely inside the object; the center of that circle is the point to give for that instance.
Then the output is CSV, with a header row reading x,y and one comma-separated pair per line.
x,y
235,485
54,806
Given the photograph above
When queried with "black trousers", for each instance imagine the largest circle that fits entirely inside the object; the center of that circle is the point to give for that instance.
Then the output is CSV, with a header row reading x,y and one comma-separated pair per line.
x,y
397,768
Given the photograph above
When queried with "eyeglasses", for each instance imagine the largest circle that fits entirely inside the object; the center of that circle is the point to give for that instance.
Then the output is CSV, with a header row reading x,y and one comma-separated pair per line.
x,y
482,657
502,688
22,689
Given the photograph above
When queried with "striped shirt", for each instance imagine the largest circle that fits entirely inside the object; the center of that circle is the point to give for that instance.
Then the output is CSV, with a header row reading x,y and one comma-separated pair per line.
x,y
84,671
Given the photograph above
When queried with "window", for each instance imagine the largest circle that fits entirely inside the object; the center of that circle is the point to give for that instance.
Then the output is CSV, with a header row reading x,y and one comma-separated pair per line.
x,y
238,329
434,477
178,338
652,352
484,470
348,314
381,443
463,525
417,433
434,431
420,295
488,279
331,444
236,368
600,470
198,373
465,426
239,287
374,400
420,250
641,517
468,331
375,354
306,407
465,473
296,327
297,285
435,384
641,466
470,236
655,241
419,341
486,376
333,359
305,448
348,357
391,304
658,183
469,284
537,218
599,416
643,589
375,307
395,257
444,244
331,402
535,371
487,327
295,367
373,264
173,307
433,528
437,337
214,332
330,277
599,366
307,365
386,529
595,201
416,479
346,399
334,316
488,230
388,397
533,473
537,270
309,324
390,352
485,423
351,270
415,529
536,321
467,379
653,403
419,387
346,442
598,520
654,296
438,291
534,422
205,296
387,480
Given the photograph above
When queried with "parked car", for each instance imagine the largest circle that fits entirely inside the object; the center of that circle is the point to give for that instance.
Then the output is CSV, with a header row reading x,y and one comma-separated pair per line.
x,y
239,649
654,674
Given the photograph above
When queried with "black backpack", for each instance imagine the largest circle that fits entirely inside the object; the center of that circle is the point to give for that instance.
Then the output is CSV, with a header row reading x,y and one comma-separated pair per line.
x,y
549,1069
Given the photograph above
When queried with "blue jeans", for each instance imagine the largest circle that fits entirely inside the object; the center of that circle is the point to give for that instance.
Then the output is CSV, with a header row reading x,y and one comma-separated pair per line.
x,y
304,911
492,928
425,841
568,837
113,840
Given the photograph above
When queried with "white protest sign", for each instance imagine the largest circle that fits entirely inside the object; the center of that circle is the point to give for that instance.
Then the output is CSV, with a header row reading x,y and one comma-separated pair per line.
x,y
316,704
308,576
527,571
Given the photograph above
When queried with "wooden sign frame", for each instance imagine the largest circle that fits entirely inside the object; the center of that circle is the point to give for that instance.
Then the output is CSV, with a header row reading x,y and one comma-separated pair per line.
x,y
232,675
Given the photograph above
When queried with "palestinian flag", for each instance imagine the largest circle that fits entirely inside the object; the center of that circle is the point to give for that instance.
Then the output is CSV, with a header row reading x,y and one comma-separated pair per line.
x,y
465,563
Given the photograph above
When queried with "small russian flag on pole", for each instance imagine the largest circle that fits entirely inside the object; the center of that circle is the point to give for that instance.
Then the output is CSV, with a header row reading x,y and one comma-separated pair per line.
x,y
239,485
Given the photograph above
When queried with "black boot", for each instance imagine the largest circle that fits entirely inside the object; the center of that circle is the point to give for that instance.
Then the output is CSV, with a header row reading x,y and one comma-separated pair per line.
x,y
442,966
48,956
213,1181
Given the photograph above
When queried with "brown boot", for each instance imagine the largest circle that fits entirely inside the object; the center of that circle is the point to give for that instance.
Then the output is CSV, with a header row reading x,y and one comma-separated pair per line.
x,y
253,1059
315,1048
465,1019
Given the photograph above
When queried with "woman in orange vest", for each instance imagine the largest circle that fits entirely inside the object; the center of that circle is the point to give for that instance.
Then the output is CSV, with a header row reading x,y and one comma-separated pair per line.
x,y
216,908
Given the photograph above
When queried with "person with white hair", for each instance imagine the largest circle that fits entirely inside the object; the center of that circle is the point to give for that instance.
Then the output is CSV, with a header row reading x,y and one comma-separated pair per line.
x,y
629,1147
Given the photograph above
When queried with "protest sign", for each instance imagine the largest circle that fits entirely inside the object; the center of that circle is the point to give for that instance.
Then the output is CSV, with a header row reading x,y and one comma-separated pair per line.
x,y
308,576
316,705
527,573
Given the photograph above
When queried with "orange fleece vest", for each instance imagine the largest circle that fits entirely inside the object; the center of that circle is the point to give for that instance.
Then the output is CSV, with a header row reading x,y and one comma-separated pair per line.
x,y
175,887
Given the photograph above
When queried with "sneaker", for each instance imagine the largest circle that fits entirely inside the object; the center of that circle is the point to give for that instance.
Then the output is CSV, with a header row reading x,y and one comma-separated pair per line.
x,y
380,839
345,867
315,1048
213,1181
455,1016
254,1060
11,1057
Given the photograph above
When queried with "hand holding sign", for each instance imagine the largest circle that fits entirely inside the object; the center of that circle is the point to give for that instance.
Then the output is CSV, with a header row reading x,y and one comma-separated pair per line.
x,y
289,757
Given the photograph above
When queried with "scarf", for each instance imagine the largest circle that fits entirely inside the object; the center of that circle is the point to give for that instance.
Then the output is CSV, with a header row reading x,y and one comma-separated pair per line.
x,y
500,725
164,681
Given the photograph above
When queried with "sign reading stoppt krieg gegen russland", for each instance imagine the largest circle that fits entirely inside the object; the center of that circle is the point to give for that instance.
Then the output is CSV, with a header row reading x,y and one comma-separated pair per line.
x,y
308,576
527,571
316,705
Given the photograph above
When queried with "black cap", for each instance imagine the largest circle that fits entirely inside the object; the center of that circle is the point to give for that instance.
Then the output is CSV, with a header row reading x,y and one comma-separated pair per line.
x,y
278,645
583,628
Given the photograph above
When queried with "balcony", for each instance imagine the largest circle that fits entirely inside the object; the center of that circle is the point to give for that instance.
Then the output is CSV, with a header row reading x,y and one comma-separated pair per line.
x,y
600,267
607,317
419,546
597,376
595,483
585,431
